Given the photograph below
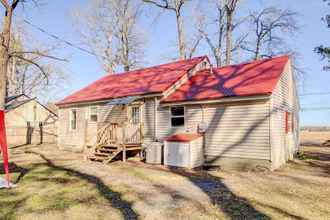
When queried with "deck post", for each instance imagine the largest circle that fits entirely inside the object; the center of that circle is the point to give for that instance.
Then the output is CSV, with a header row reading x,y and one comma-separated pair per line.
x,y
141,133
124,153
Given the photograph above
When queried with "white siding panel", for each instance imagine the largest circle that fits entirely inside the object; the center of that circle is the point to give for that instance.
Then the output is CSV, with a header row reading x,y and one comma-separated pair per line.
x,y
197,154
68,137
284,98
233,130
148,119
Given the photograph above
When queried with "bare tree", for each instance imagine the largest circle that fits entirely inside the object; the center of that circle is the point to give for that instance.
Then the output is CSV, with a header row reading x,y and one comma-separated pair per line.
x,y
216,45
214,31
4,47
176,6
6,54
230,8
25,77
324,51
269,26
110,29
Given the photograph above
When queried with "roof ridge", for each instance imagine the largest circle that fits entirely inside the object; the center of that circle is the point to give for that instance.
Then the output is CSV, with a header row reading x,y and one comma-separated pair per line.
x,y
146,68
158,65
155,73
252,61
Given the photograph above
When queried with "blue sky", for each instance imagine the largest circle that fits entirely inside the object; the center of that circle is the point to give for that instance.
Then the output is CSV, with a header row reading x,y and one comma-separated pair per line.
x,y
55,17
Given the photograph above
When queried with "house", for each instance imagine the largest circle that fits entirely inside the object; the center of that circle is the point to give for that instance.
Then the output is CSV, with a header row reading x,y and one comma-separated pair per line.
x,y
23,117
247,113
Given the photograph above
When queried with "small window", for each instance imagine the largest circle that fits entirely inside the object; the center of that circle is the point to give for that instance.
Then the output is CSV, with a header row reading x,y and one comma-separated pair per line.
x,y
93,113
73,119
288,122
135,115
177,116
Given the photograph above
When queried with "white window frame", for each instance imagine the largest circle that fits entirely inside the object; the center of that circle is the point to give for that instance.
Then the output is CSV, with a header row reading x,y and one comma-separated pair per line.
x,y
131,113
70,119
176,116
90,113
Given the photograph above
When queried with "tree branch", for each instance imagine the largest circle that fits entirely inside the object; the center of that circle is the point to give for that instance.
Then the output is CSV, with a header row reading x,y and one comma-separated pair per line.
x,y
38,53
194,47
41,69
165,6
14,4
5,4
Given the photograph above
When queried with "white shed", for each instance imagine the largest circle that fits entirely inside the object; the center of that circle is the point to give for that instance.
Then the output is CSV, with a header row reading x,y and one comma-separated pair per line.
x,y
184,150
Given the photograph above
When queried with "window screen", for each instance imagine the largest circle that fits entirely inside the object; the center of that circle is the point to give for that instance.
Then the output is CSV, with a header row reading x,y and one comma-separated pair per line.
x,y
73,119
93,114
135,115
177,116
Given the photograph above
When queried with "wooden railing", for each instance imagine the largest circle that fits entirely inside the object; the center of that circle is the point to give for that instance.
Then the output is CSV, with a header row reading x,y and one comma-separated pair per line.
x,y
107,134
132,134
120,133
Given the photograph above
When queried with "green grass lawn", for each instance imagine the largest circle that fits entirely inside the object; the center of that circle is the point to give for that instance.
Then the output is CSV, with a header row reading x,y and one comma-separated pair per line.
x,y
58,193
58,185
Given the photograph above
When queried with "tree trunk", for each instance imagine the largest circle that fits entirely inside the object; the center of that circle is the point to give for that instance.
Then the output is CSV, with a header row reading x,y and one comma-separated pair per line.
x,y
4,56
182,48
229,36
257,51
12,80
218,57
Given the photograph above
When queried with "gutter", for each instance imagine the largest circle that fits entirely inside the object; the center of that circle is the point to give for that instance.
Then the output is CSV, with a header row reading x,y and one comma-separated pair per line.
x,y
75,104
220,100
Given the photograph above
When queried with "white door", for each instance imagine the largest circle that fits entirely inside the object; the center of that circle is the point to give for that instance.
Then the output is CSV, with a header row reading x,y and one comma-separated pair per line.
x,y
176,154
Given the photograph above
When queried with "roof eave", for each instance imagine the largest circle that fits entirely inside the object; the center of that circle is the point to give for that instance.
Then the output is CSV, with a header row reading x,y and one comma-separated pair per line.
x,y
219,100
90,102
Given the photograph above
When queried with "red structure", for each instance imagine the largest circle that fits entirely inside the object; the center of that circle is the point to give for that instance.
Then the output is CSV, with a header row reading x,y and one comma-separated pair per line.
x,y
3,144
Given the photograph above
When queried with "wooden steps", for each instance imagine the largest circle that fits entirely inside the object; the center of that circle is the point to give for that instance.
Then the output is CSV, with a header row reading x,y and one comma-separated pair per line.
x,y
108,153
105,153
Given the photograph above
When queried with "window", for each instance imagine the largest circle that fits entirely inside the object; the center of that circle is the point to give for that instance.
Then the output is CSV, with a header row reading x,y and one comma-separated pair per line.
x,y
73,119
135,115
93,113
177,116
288,122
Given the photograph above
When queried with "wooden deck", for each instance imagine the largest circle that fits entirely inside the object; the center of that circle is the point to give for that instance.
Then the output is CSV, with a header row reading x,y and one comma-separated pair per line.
x,y
114,141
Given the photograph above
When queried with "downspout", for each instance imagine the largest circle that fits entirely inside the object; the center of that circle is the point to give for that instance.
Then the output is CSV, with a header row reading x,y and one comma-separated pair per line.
x,y
156,119
202,132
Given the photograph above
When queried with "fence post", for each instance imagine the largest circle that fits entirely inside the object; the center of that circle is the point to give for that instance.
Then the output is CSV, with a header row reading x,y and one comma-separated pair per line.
x,y
41,132
28,133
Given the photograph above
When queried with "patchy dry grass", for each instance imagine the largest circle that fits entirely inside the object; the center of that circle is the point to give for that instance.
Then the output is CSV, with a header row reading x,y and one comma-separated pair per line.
x,y
59,185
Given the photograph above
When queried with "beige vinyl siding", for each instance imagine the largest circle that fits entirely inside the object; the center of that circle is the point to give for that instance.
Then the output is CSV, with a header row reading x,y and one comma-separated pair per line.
x,y
148,119
85,133
284,98
33,112
197,154
68,137
113,114
233,130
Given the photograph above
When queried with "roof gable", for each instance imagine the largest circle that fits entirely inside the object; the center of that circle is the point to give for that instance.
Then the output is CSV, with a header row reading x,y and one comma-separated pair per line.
x,y
248,79
150,80
13,102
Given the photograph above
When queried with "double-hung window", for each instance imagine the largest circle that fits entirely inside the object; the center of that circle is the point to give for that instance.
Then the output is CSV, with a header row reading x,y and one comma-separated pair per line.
x,y
177,116
135,114
93,112
73,119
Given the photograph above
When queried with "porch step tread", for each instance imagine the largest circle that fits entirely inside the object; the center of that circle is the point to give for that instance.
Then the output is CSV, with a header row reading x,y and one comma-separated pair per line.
x,y
133,148
104,150
110,146
102,154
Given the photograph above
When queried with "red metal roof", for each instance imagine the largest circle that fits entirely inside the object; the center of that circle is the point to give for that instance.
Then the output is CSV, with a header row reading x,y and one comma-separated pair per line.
x,y
248,79
184,137
138,82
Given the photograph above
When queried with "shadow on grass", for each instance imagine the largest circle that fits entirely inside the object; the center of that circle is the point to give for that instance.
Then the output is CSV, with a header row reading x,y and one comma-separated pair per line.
x,y
14,168
232,205
111,196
